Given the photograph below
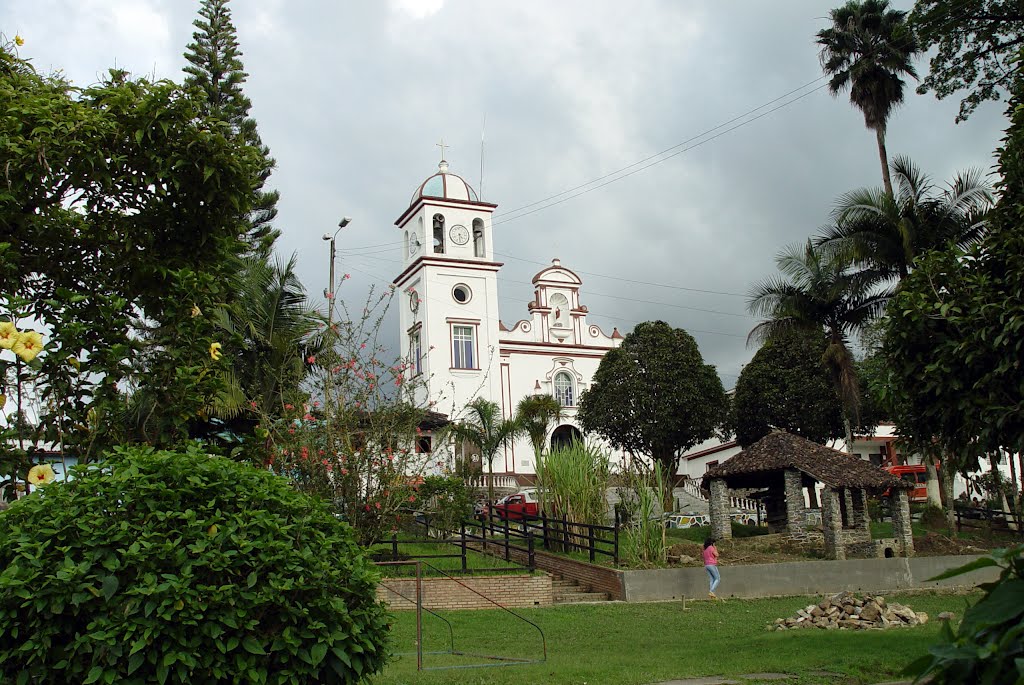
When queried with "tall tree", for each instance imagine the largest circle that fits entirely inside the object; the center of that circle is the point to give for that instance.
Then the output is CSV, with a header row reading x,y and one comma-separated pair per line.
x,y
867,50
215,67
817,293
886,232
785,386
654,396
978,44
108,191
485,428
952,343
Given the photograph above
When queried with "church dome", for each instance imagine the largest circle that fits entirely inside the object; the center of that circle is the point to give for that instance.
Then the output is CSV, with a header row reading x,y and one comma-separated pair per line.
x,y
445,186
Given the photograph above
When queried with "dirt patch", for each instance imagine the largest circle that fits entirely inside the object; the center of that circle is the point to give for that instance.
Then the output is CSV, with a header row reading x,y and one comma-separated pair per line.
x,y
760,549
937,545
776,548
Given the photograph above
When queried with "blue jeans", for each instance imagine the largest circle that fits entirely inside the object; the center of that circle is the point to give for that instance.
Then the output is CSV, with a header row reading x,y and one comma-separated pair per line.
x,y
713,573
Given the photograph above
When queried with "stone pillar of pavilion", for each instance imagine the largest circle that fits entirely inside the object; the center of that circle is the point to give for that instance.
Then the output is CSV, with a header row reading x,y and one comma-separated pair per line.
x,y
718,508
899,503
796,519
832,524
861,515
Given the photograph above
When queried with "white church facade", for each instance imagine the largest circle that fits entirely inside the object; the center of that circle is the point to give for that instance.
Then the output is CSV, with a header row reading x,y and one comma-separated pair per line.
x,y
451,329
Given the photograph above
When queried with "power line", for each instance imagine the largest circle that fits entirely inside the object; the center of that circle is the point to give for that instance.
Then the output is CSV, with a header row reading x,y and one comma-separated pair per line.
x,y
615,297
666,150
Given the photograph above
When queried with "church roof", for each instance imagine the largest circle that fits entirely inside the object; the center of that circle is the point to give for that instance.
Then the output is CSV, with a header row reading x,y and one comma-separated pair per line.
x,y
558,274
445,185
780,450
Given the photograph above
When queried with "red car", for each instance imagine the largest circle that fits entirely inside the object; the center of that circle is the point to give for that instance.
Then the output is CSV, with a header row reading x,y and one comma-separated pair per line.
x,y
517,506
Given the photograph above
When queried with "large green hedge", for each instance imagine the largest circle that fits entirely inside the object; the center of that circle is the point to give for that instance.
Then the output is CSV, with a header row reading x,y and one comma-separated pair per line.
x,y
182,568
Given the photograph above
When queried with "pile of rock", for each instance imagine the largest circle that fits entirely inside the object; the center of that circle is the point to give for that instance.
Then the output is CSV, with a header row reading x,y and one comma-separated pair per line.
x,y
847,611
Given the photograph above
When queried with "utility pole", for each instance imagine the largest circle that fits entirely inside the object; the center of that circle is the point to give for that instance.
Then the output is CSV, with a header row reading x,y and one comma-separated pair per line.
x,y
329,295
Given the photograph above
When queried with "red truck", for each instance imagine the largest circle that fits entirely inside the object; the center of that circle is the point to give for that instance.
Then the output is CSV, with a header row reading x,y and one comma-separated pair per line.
x,y
517,506
916,474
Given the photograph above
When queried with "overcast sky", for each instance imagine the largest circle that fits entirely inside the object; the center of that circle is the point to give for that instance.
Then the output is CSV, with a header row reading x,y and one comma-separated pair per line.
x,y
352,98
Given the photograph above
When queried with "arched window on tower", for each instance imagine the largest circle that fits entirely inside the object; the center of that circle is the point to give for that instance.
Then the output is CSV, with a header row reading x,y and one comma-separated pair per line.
x,y
438,234
479,250
564,389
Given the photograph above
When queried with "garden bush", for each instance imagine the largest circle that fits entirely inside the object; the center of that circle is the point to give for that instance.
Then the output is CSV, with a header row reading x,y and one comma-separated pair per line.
x,y
987,647
163,567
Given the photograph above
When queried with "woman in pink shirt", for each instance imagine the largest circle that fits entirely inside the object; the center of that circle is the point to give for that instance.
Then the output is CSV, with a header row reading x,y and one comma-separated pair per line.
x,y
711,565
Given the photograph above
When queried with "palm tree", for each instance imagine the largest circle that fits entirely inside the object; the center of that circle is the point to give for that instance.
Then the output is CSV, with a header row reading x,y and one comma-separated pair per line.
x,y
867,49
817,293
887,232
279,330
536,413
485,428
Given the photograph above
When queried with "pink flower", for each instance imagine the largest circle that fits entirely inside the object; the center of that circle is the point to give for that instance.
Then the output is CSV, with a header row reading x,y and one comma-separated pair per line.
x,y
412,498
311,359
289,406
378,505
346,277
316,403
330,296
362,346
344,472
252,404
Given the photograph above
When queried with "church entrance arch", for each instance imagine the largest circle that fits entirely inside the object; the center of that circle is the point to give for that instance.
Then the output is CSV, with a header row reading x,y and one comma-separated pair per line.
x,y
564,435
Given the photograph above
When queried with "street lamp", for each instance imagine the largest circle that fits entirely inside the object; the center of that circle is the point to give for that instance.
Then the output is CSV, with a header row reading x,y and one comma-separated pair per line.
x,y
329,294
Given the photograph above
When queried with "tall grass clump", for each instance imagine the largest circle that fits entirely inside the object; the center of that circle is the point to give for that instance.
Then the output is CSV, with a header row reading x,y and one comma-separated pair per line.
x,y
643,540
572,482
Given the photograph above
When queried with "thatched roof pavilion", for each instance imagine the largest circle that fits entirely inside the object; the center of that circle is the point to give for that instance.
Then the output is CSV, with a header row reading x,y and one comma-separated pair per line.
x,y
782,466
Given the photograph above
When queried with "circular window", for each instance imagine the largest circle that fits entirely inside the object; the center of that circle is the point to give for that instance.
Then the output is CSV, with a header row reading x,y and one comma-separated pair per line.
x,y
462,293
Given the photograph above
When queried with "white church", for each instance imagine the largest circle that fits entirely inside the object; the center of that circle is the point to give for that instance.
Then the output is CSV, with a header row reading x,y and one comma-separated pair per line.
x,y
450,326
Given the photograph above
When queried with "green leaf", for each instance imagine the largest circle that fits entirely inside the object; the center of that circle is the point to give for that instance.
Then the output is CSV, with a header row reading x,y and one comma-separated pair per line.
x,y
983,562
94,674
318,652
110,585
134,661
252,645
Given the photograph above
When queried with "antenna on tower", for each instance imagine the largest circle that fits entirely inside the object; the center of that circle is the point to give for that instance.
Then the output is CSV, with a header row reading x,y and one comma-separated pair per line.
x,y
483,129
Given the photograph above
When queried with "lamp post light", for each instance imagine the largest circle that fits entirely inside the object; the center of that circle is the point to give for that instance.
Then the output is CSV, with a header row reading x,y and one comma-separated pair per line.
x,y
329,294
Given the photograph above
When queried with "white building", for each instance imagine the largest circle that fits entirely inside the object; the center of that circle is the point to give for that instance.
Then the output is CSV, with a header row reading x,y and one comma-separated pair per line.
x,y
450,325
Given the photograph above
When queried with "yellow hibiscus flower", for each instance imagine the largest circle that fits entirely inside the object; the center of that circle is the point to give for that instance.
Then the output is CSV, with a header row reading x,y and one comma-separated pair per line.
x,y
215,352
19,41
41,474
28,345
196,311
8,334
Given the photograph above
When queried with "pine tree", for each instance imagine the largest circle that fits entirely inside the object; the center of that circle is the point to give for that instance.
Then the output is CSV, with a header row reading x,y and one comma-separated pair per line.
x,y
215,67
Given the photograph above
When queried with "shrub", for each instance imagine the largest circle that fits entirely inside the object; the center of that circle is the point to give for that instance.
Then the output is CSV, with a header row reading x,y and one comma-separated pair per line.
x,y
445,500
572,481
933,518
157,567
988,646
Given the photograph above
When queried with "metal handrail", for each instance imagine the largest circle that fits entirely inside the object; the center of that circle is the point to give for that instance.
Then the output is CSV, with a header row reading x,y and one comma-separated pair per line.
x,y
502,660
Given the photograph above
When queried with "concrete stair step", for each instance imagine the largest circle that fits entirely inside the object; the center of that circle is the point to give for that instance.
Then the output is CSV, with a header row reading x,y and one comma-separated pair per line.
x,y
564,583
581,597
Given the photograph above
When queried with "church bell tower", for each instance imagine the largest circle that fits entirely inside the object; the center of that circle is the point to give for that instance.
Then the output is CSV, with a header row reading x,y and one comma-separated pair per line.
x,y
448,293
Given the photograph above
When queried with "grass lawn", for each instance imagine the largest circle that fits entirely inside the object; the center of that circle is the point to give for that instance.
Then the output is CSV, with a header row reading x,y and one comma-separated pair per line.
x,y
648,643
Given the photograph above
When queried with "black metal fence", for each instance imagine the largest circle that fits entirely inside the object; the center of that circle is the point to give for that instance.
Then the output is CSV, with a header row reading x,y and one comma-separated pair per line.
x,y
550,533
